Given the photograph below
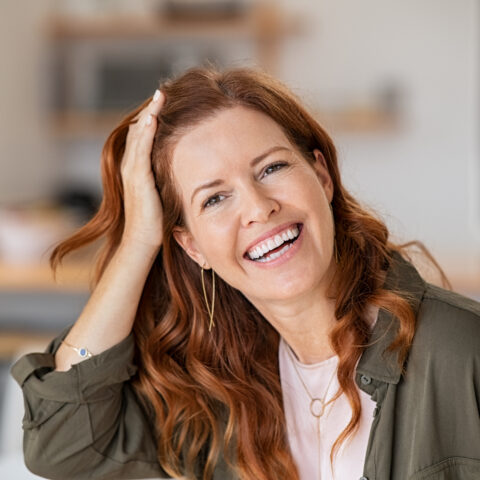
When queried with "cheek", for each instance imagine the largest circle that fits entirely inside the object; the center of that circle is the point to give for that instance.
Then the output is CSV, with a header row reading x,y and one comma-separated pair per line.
x,y
313,200
309,192
218,236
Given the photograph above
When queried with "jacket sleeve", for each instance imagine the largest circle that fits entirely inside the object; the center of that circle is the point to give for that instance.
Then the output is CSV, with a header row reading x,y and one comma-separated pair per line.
x,y
86,422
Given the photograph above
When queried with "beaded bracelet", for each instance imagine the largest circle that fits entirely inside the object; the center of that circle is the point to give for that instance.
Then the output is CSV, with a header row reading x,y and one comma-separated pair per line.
x,y
83,351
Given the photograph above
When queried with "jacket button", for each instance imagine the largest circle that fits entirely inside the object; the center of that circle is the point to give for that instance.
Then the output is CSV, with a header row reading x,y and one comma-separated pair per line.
x,y
365,380
363,478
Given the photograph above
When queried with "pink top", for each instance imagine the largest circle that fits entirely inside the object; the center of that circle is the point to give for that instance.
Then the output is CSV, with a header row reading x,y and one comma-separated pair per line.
x,y
302,425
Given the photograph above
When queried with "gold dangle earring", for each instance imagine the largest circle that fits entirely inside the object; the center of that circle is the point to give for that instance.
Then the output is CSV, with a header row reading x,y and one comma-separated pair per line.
x,y
335,249
210,312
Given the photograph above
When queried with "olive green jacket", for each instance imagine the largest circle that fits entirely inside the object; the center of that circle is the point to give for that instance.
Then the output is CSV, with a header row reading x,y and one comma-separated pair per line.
x,y
88,423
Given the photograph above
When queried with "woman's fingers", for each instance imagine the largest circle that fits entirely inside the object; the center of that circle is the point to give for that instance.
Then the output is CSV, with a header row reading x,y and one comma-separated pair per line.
x,y
148,124
153,108
157,102
142,204
140,134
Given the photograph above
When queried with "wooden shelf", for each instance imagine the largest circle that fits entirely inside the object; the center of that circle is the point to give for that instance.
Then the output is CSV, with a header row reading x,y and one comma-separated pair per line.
x,y
84,124
11,343
260,20
74,276
362,121
263,23
72,124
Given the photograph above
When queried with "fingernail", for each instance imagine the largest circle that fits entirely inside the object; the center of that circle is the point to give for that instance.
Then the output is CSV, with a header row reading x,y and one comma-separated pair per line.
x,y
149,119
156,95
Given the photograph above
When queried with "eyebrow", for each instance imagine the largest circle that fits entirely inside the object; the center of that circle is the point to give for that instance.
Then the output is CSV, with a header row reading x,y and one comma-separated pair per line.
x,y
219,181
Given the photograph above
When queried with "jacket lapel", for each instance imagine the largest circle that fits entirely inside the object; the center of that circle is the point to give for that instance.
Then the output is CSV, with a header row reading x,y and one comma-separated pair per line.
x,y
378,372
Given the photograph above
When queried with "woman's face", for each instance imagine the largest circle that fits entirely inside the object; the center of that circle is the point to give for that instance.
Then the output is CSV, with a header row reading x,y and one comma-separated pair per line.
x,y
256,193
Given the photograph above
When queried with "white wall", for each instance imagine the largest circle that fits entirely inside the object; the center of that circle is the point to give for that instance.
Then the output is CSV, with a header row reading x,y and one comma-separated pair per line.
x,y
424,178
27,166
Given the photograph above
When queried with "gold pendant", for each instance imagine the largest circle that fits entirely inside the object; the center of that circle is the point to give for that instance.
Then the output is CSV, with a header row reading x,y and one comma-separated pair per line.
x,y
315,404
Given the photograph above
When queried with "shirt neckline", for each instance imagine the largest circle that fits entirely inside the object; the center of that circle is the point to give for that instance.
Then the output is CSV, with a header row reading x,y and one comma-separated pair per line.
x,y
306,366
372,313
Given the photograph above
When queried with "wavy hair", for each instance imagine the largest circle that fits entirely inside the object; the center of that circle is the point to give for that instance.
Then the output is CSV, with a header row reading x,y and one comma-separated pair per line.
x,y
218,393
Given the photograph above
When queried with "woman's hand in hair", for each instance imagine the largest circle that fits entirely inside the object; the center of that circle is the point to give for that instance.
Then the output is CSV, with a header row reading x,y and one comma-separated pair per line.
x,y
143,207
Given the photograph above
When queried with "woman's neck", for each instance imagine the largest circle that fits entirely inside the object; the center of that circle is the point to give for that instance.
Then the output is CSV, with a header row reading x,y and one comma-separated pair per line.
x,y
305,326
308,338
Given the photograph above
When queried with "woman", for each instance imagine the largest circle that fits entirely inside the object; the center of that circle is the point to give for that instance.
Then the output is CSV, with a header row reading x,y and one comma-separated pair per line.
x,y
309,349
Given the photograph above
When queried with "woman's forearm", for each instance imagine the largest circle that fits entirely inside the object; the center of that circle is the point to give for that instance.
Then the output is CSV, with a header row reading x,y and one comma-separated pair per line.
x,y
108,316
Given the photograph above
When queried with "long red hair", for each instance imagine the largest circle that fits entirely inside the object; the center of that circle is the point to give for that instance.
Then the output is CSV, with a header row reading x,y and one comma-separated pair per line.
x,y
219,392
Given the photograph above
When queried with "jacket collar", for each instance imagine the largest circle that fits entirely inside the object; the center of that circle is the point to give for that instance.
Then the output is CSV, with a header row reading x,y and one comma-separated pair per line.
x,y
376,362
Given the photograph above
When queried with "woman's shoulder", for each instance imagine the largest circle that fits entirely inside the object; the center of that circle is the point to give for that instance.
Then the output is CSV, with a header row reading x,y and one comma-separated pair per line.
x,y
448,323
454,300
451,307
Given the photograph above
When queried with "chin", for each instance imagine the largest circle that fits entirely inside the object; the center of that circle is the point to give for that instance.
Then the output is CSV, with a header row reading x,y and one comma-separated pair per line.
x,y
292,290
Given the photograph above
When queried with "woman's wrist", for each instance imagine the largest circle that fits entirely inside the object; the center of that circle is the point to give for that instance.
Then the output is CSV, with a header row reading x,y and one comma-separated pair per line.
x,y
138,250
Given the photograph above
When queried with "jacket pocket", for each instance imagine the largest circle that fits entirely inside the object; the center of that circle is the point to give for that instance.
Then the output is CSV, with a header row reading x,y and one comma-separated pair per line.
x,y
452,468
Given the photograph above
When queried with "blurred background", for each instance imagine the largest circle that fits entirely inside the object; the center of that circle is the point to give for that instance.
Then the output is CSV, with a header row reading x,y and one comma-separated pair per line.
x,y
397,84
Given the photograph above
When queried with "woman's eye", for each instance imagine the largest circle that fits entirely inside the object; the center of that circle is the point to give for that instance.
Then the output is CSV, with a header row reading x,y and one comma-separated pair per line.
x,y
208,203
274,165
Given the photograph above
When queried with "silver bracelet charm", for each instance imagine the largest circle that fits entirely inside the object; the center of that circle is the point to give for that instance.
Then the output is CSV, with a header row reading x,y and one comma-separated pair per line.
x,y
83,352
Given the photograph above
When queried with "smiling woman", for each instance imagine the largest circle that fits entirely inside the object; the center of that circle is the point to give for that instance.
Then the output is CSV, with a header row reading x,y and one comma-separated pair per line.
x,y
289,361
250,203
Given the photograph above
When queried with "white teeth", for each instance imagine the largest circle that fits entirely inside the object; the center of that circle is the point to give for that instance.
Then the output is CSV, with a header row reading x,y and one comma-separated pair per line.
x,y
271,244
275,255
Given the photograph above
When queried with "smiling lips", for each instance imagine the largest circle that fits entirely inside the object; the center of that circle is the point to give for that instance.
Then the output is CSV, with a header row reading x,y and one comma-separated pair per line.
x,y
273,241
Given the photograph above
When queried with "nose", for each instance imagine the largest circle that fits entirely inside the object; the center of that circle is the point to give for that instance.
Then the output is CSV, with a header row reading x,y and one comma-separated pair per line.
x,y
258,205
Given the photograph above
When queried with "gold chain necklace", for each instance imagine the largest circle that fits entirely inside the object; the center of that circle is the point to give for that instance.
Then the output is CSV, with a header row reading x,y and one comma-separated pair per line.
x,y
314,402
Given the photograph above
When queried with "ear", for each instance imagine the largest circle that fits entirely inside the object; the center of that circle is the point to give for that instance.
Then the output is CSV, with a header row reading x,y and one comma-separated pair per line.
x,y
321,169
185,239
